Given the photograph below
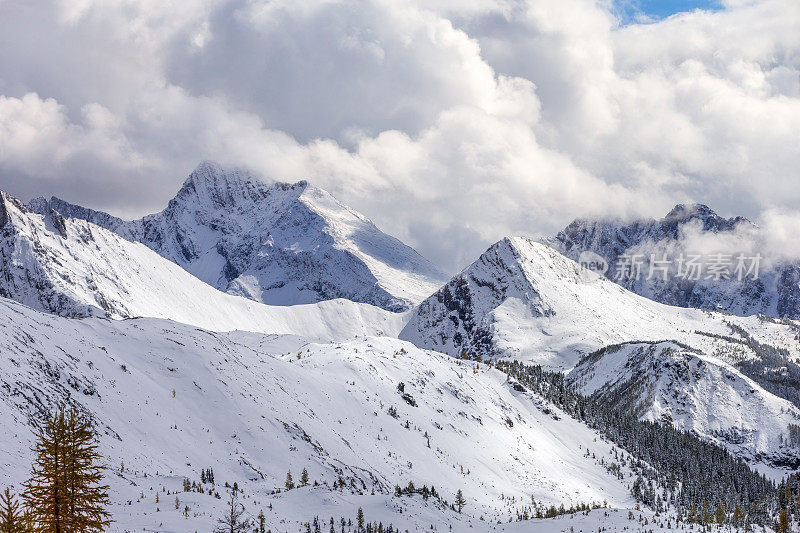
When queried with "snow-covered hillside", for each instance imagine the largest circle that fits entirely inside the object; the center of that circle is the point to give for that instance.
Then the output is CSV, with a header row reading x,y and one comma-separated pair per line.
x,y
275,243
75,268
685,231
675,384
525,300
170,400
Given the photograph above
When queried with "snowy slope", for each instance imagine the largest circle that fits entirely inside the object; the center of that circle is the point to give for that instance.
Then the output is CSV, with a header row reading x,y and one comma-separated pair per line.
x,y
687,229
275,243
675,384
171,399
525,300
74,268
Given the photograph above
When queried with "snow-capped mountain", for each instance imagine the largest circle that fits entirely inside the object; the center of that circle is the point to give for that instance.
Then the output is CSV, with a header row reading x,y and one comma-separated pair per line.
x,y
74,268
275,243
524,300
675,384
368,413
689,233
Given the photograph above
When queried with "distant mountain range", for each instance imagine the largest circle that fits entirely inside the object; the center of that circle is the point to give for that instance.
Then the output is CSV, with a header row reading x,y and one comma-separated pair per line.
x,y
765,286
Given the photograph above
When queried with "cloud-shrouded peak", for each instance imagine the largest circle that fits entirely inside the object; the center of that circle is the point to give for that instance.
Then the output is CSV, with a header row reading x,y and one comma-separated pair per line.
x,y
707,217
214,185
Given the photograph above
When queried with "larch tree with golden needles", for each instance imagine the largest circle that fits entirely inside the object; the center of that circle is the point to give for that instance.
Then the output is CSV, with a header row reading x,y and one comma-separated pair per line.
x,y
12,520
65,493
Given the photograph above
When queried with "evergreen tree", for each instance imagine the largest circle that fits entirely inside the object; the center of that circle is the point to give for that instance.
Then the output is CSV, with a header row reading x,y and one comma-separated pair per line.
x,y
360,519
11,518
304,478
64,493
289,481
783,522
721,514
233,520
262,522
460,502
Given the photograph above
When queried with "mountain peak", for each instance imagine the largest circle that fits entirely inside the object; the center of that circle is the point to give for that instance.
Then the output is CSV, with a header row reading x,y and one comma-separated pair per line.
x,y
774,291
211,183
684,212
711,221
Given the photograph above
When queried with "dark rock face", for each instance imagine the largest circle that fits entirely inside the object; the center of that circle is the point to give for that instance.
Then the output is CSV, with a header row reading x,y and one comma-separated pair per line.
x,y
458,318
775,291
3,212
58,223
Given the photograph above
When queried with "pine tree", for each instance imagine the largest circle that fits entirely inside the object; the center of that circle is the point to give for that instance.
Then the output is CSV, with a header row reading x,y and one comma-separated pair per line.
x,y
45,493
783,522
232,521
262,522
460,501
88,499
721,514
289,481
360,519
737,516
304,478
64,493
11,518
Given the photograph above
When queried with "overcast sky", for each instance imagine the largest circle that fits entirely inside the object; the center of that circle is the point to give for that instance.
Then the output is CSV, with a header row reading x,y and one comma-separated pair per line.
x,y
450,123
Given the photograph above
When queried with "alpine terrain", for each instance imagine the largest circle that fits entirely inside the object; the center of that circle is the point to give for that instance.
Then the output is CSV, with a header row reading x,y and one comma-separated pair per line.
x,y
274,243
261,347
74,268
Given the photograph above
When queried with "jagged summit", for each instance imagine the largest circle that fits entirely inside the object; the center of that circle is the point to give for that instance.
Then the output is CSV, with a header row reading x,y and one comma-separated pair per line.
x,y
524,299
273,242
213,185
710,220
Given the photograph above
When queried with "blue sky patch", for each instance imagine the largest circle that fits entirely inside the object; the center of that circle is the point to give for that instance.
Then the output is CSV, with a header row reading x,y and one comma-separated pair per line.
x,y
635,10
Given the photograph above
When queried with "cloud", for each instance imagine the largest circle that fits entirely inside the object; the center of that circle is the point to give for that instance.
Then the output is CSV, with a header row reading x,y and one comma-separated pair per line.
x,y
450,124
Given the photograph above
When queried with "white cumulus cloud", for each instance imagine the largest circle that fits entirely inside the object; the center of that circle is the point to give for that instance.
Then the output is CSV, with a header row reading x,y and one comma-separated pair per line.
x,y
451,124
